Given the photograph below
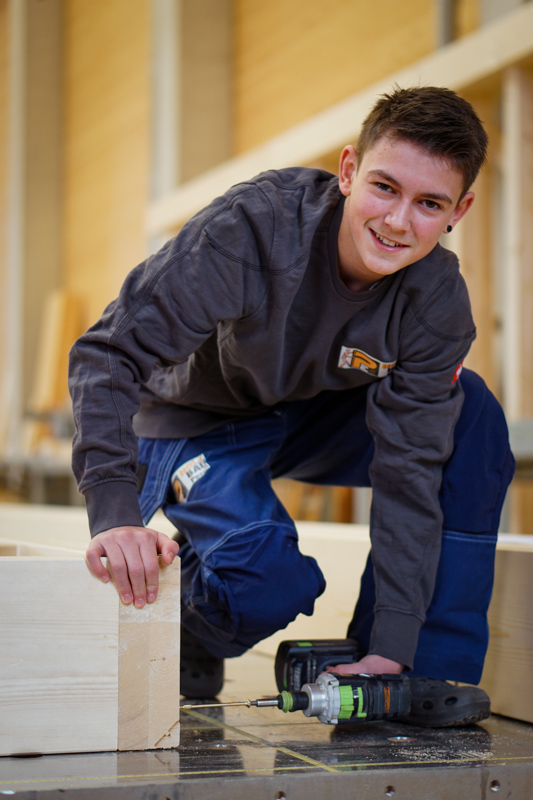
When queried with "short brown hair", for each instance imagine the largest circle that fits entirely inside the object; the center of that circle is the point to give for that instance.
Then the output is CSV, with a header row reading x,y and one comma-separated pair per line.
x,y
434,118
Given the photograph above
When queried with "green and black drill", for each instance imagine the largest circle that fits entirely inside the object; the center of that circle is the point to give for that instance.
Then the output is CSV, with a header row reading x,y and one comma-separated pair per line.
x,y
304,685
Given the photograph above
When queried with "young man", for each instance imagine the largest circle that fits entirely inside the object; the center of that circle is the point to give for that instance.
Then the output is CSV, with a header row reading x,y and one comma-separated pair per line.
x,y
308,326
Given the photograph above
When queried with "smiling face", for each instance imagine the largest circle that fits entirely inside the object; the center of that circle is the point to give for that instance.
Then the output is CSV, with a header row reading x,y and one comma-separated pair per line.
x,y
399,200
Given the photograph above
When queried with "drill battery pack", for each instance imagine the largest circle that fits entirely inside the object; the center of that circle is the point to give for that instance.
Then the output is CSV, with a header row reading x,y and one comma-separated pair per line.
x,y
301,662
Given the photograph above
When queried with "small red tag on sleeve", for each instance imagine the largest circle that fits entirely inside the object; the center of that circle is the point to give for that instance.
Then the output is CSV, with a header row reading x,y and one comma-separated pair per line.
x,y
457,372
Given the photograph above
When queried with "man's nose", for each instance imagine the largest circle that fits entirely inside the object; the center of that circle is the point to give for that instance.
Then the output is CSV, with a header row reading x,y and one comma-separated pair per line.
x,y
398,217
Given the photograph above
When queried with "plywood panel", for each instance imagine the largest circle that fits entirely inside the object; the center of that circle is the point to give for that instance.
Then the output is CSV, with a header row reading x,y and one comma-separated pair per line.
x,y
107,120
294,58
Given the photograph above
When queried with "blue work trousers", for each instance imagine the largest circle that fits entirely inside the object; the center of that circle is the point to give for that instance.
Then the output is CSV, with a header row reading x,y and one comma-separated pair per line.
x,y
243,576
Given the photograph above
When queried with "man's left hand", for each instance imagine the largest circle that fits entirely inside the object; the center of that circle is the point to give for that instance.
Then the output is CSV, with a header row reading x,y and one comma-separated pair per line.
x,y
371,664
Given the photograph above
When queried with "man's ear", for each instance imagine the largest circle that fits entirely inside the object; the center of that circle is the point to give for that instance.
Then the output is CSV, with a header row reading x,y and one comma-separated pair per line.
x,y
347,169
462,207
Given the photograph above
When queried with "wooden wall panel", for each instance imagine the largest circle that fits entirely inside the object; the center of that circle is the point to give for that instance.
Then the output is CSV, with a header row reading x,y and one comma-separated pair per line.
x,y
521,506
4,78
467,16
476,267
31,70
517,269
294,58
3,139
107,124
205,86
474,242
40,172
526,299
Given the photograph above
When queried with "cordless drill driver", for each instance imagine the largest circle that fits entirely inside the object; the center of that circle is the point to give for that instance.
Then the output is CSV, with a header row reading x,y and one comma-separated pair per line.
x,y
333,698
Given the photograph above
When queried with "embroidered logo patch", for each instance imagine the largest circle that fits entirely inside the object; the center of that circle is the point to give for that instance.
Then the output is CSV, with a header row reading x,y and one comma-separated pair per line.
x,y
185,476
352,358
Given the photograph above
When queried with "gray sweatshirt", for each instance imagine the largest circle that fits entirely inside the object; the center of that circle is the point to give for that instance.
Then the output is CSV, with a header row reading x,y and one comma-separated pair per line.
x,y
245,309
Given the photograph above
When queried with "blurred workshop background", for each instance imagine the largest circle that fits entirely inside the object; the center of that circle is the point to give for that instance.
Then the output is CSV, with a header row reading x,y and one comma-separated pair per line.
x,y
121,118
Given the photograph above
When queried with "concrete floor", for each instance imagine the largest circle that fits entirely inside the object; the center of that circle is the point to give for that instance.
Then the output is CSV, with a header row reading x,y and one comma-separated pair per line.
x,y
263,754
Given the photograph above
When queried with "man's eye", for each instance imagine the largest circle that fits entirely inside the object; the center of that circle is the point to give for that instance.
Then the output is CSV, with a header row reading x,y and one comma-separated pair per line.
x,y
383,187
432,205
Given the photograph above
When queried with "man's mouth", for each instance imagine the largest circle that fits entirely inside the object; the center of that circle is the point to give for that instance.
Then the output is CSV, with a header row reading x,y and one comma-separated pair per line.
x,y
388,242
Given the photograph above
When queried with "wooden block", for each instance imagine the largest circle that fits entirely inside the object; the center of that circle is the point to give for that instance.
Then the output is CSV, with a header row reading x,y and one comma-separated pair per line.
x,y
79,671
509,663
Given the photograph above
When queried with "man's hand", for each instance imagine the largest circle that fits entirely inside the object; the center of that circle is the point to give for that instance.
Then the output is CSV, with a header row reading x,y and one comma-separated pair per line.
x,y
132,561
373,665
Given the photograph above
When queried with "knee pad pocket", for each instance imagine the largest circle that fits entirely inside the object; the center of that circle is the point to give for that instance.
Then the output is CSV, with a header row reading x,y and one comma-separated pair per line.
x,y
258,577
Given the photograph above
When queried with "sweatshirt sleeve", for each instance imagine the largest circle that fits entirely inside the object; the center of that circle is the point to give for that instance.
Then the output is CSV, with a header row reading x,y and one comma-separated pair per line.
x,y
168,306
412,414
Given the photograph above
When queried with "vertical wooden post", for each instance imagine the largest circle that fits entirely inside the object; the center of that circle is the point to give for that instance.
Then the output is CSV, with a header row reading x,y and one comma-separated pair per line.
x,y
517,281
517,213
34,216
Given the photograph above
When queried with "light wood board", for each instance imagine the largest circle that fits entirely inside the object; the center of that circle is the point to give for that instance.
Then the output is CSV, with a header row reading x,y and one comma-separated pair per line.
x,y
509,663
79,671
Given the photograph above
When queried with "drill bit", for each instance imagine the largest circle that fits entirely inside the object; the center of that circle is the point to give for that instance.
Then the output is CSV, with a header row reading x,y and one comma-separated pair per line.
x,y
261,703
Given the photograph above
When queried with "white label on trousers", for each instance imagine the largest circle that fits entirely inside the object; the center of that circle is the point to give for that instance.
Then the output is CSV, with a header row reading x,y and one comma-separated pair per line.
x,y
185,476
